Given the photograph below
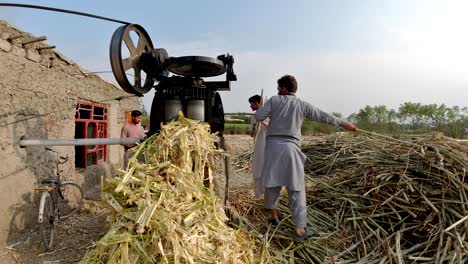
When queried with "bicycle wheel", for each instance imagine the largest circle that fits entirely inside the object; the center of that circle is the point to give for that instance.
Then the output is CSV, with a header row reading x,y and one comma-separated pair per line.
x,y
72,199
46,220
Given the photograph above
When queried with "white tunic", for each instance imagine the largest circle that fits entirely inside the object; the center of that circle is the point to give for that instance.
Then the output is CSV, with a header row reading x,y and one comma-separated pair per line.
x,y
258,159
284,161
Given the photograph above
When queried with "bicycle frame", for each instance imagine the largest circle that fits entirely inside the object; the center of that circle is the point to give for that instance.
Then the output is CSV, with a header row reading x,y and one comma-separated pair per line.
x,y
51,207
53,188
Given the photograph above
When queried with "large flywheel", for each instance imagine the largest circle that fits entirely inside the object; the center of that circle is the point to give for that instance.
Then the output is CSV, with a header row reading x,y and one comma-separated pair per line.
x,y
128,44
196,66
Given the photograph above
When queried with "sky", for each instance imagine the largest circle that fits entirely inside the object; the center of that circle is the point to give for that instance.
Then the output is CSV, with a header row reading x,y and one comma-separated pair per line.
x,y
345,54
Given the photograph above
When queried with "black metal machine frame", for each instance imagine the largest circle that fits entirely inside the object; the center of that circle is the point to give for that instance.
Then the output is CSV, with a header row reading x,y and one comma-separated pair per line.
x,y
150,66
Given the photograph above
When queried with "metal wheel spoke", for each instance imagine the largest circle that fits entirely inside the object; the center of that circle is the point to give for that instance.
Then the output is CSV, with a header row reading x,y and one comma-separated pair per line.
x,y
137,78
127,64
141,45
129,42
48,212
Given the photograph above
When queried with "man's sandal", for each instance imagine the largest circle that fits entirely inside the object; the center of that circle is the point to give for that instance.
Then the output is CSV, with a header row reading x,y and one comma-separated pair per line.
x,y
274,221
309,232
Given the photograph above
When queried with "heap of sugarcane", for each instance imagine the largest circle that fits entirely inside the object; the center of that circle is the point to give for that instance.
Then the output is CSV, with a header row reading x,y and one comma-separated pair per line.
x,y
399,200
378,199
161,208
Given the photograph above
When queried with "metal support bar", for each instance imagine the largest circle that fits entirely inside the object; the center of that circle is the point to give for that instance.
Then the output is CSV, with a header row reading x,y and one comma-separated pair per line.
x,y
32,40
227,168
78,142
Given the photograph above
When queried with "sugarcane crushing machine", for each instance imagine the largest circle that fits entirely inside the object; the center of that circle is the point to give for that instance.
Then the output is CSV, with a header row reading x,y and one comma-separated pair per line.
x,y
139,67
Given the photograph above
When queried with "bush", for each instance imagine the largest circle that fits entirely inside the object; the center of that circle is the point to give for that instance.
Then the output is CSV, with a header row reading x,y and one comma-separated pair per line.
x,y
312,128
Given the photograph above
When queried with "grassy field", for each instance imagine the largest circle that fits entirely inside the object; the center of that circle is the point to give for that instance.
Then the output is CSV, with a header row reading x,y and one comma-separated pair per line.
x,y
241,129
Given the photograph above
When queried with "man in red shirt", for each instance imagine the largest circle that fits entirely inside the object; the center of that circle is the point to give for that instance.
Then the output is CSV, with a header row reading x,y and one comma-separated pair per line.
x,y
131,130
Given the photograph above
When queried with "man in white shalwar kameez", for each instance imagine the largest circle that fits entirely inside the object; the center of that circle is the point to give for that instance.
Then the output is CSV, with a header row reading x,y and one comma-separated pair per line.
x,y
284,160
258,132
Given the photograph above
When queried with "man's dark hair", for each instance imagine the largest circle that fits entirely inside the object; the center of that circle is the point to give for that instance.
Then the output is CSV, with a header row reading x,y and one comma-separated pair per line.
x,y
289,82
136,113
256,98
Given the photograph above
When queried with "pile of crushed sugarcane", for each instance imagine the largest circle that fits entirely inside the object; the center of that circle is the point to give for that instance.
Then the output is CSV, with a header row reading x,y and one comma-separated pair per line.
x,y
162,211
377,199
243,161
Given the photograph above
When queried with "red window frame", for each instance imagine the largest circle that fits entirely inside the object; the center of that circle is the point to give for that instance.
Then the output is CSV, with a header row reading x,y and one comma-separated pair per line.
x,y
91,121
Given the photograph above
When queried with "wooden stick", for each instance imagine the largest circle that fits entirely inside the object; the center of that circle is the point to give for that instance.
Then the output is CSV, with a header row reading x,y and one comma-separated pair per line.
x,y
45,48
10,38
457,223
32,40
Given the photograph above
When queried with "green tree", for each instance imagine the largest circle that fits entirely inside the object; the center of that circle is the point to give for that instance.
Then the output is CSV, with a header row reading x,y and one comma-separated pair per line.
x,y
438,116
145,117
392,115
412,112
380,115
365,116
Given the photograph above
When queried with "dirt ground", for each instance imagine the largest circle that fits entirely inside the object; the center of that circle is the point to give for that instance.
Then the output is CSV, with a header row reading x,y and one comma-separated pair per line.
x,y
77,234
74,236
239,144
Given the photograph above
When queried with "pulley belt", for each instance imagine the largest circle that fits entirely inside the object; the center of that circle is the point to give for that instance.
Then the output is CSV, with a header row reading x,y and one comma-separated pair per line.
x,y
64,11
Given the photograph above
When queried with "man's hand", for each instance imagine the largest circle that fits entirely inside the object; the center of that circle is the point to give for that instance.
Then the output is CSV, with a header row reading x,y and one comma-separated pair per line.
x,y
349,126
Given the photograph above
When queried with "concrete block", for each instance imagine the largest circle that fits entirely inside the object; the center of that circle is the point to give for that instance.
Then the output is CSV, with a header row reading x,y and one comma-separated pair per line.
x,y
33,55
5,45
18,51
93,177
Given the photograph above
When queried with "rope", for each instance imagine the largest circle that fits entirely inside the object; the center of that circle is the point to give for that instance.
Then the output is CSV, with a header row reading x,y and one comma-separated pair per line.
x,y
64,11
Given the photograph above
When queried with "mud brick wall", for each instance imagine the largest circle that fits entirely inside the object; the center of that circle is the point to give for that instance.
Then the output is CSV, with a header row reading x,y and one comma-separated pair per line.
x,y
39,90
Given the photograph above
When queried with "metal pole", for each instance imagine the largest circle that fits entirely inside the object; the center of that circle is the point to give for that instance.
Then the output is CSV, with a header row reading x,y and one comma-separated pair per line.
x,y
227,169
78,141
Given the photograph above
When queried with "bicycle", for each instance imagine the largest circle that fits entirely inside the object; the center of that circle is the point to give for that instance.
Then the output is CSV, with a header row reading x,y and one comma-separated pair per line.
x,y
59,200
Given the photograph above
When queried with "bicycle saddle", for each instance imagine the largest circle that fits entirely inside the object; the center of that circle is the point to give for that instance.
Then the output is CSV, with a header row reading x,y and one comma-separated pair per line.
x,y
50,180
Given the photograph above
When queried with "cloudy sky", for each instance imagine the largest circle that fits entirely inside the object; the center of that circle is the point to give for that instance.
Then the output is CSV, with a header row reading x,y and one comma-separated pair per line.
x,y
345,54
